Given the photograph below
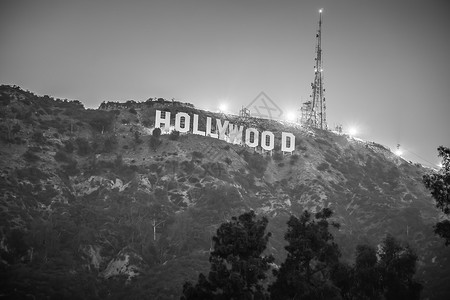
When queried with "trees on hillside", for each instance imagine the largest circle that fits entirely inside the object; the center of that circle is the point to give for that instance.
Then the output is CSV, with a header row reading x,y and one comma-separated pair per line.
x,y
154,139
312,256
439,185
384,274
312,269
238,265
397,265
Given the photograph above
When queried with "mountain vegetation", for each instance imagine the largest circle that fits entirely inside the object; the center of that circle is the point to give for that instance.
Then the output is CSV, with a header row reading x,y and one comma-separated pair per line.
x,y
238,266
439,185
96,204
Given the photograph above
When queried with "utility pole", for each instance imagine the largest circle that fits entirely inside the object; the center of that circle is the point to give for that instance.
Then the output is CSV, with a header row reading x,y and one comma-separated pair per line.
x,y
154,225
313,112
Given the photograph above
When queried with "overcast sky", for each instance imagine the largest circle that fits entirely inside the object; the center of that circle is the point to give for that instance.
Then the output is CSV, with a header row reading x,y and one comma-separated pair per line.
x,y
386,62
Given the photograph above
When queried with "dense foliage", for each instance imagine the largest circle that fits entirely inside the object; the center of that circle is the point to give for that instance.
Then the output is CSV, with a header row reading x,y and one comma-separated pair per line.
x,y
238,265
312,256
439,185
312,269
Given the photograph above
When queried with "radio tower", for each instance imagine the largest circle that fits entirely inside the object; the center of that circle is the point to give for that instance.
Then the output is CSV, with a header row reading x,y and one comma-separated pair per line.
x,y
313,113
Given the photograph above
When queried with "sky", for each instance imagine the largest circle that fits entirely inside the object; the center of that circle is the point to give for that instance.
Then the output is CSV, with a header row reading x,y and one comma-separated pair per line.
x,y
385,62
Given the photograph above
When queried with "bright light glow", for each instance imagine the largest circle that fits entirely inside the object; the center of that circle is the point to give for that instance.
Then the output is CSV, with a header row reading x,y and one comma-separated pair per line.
x,y
352,131
440,165
320,10
398,152
290,116
223,107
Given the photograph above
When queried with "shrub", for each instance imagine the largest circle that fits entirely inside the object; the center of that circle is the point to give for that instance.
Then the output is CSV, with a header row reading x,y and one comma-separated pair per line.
x,y
33,174
110,144
156,132
38,137
83,146
323,142
246,181
197,154
154,142
100,120
256,163
174,135
62,156
4,99
146,123
71,168
294,159
137,137
29,156
323,166
278,156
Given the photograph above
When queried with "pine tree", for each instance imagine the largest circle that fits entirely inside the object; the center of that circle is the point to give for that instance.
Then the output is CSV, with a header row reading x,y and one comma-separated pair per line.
x,y
238,265
386,273
366,275
397,266
312,257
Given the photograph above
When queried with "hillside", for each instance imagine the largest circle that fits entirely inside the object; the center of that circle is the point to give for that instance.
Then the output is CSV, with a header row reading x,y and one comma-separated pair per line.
x,y
94,206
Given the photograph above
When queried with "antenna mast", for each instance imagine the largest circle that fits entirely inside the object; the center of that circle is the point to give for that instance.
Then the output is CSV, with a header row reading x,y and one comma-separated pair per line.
x,y
313,113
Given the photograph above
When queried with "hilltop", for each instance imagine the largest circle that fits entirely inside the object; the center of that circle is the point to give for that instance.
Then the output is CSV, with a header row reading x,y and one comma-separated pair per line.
x,y
91,199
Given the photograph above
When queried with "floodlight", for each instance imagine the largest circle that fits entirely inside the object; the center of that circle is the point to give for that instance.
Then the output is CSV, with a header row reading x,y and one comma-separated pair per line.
x,y
290,116
223,107
352,131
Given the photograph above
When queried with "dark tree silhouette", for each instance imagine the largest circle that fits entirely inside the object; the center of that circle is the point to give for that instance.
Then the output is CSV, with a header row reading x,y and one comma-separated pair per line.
x,y
312,256
366,281
156,132
238,265
386,273
397,266
439,185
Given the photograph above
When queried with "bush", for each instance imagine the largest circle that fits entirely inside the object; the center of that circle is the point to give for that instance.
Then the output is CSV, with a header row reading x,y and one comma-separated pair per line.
x,y
68,146
29,156
197,154
154,142
100,120
71,168
156,132
256,163
146,123
278,156
110,144
33,174
323,166
62,156
294,159
137,137
174,135
83,146
38,137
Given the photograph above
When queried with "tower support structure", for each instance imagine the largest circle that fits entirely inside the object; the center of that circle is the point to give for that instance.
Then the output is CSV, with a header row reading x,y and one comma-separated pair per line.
x,y
313,112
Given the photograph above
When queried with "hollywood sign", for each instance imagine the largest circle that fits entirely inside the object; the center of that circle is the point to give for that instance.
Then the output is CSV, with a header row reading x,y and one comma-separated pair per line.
x,y
224,130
